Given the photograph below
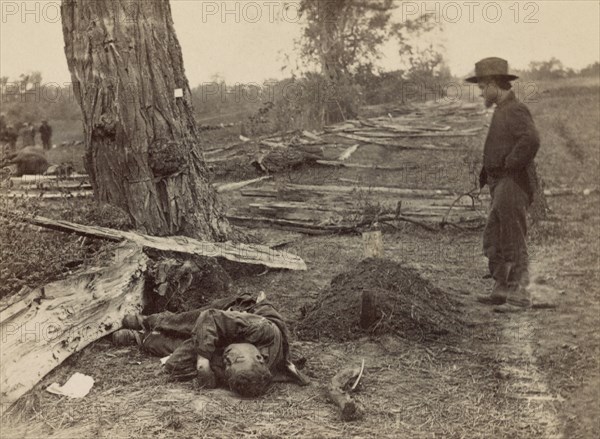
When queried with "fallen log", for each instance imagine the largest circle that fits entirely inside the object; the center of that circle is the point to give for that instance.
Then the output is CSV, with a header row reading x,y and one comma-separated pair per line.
x,y
46,194
290,226
348,152
335,163
40,328
310,228
312,136
243,253
46,178
284,159
78,190
58,185
227,187
375,141
413,193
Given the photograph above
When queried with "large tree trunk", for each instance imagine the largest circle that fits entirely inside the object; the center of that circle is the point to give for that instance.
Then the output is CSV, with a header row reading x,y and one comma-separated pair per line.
x,y
330,48
142,143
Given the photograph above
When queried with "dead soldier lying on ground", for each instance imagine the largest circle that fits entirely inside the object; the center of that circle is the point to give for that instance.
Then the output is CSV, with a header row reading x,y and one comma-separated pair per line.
x,y
240,343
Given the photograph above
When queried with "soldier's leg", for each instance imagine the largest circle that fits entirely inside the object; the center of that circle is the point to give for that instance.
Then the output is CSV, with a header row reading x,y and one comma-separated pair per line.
x,y
512,209
168,322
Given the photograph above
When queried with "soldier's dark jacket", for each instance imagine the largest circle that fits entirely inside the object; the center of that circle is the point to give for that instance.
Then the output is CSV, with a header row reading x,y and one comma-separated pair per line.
x,y
511,145
201,332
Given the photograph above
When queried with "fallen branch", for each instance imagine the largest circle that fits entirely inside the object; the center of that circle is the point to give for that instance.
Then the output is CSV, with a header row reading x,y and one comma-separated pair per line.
x,y
348,152
310,228
466,194
335,163
403,192
338,392
243,253
227,187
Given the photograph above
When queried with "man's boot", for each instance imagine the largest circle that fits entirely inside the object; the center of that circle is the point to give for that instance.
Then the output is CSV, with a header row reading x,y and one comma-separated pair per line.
x,y
518,300
501,289
498,297
127,337
133,321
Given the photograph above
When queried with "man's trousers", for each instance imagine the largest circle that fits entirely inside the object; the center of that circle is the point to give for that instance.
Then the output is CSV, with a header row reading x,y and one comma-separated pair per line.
x,y
504,238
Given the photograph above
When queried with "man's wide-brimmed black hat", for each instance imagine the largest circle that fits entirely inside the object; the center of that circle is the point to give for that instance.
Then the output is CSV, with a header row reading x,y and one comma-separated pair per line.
x,y
491,67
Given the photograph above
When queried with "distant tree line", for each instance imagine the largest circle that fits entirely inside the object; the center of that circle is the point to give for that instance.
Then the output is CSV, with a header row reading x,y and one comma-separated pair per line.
x,y
292,103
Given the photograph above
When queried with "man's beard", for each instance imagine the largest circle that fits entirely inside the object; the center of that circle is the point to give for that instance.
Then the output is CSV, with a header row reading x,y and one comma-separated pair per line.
x,y
488,103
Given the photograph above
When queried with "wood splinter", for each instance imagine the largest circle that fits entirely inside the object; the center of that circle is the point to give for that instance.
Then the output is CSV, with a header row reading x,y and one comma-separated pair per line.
x,y
338,391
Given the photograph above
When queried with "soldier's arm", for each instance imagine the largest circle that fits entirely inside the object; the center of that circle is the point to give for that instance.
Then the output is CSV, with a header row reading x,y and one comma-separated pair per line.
x,y
527,141
216,328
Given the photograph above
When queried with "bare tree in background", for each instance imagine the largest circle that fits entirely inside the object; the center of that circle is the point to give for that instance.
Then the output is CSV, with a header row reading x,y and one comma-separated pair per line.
x,y
343,36
142,144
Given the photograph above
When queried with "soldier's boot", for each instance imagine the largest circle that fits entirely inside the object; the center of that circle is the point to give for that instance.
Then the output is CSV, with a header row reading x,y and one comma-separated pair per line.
x,y
127,337
205,375
133,321
518,300
498,297
501,289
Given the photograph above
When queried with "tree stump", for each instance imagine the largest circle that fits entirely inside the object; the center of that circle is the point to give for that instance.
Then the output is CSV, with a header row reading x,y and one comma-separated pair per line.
x,y
180,284
373,244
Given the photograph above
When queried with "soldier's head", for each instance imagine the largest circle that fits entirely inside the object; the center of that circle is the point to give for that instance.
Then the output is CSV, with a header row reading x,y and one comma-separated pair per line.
x,y
246,371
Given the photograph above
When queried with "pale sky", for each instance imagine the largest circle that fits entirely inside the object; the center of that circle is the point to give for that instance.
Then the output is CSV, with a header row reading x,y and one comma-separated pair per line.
x,y
246,43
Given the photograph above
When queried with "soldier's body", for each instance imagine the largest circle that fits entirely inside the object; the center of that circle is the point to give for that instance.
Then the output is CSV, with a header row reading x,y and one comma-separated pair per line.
x,y
211,342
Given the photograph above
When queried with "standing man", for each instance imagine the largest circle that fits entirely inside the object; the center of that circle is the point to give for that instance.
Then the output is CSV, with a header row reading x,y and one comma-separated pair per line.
x,y
10,136
511,145
28,134
46,134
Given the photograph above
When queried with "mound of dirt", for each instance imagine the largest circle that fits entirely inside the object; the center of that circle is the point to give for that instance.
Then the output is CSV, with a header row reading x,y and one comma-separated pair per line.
x,y
404,304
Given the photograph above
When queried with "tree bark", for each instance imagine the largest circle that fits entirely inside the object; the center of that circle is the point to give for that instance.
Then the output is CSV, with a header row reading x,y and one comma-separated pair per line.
x,y
142,145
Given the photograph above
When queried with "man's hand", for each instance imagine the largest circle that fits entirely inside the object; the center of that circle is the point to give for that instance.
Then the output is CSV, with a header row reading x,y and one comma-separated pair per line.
x,y
206,377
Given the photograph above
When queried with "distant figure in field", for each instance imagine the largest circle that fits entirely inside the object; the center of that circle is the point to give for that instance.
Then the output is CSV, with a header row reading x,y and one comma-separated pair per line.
x,y
27,133
10,136
46,134
2,124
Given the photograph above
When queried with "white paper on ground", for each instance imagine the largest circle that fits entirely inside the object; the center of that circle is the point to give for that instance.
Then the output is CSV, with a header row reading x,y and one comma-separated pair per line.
x,y
77,386
163,360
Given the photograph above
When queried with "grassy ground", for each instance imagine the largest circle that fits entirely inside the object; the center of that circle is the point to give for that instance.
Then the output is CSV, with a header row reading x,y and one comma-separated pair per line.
x,y
534,375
